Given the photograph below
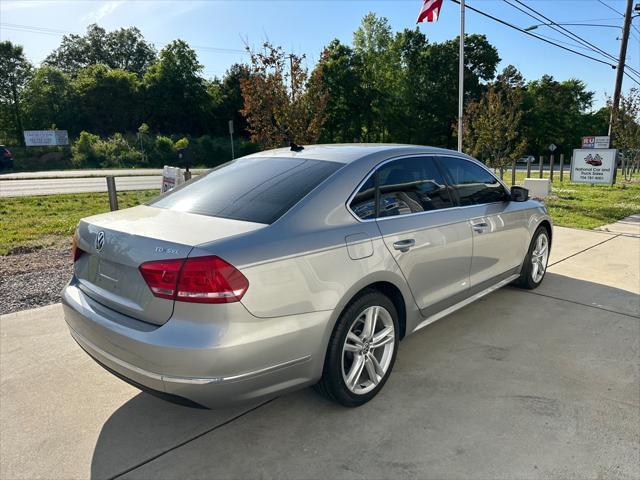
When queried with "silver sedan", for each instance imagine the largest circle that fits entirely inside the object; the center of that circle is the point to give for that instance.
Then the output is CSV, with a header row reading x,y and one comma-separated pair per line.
x,y
285,269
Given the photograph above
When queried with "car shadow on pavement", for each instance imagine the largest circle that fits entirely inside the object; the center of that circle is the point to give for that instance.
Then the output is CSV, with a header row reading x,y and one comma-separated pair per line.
x,y
519,384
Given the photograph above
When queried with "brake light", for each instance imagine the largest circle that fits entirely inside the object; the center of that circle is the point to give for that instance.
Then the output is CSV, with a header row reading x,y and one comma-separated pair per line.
x,y
7,152
200,280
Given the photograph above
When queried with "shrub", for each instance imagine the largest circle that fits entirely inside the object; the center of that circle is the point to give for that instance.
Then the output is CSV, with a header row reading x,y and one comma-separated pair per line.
x,y
116,152
83,150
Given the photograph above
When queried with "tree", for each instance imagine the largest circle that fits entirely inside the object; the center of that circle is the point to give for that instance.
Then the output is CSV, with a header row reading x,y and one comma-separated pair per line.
x,y
373,44
556,113
229,101
626,131
16,71
493,126
49,100
176,96
107,99
124,49
282,103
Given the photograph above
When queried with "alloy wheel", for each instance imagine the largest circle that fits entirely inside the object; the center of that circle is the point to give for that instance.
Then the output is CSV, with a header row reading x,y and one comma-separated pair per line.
x,y
368,350
539,258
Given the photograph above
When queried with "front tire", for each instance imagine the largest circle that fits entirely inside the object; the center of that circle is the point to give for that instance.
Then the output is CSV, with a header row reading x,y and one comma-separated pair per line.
x,y
535,263
362,350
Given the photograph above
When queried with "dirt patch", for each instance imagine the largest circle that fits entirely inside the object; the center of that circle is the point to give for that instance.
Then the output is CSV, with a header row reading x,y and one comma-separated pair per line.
x,y
34,276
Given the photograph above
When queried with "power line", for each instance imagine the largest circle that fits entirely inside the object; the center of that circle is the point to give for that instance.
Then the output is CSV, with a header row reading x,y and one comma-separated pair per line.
x,y
569,32
510,25
611,8
57,33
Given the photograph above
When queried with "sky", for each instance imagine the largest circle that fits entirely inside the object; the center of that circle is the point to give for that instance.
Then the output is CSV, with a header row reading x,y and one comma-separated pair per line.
x,y
219,30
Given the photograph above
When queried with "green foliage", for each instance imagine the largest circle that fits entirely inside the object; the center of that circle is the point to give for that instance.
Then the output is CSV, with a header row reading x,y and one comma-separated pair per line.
x,y
83,150
177,92
51,99
15,72
182,143
123,49
107,99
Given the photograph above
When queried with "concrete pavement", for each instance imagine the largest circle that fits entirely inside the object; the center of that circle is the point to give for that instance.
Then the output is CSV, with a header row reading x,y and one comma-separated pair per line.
x,y
521,384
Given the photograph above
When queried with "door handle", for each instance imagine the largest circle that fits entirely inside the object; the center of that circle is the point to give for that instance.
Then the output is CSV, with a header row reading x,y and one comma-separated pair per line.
x,y
404,245
480,227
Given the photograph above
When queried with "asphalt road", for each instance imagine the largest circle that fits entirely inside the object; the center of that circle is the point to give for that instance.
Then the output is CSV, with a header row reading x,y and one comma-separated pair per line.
x,y
522,384
52,186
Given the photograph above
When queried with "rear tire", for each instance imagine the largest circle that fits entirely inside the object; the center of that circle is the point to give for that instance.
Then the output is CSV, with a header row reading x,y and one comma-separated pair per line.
x,y
362,350
535,263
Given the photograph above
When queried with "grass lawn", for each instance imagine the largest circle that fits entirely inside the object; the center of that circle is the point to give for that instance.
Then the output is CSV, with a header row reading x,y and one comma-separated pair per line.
x,y
43,220
583,205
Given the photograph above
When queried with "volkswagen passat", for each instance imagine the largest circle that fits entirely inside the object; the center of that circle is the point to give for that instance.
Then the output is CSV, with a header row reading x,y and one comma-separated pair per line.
x,y
286,268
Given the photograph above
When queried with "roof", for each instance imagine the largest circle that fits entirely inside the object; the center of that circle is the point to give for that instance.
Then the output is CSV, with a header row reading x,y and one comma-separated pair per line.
x,y
349,152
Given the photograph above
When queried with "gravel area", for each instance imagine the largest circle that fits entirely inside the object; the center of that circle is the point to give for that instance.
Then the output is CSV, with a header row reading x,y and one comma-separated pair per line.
x,y
35,278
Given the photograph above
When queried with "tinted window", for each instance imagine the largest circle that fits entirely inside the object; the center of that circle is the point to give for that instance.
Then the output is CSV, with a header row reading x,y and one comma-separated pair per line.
x,y
364,202
411,185
253,189
473,184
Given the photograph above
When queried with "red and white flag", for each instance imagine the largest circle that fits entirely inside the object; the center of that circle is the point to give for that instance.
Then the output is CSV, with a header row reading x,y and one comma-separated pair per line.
x,y
430,11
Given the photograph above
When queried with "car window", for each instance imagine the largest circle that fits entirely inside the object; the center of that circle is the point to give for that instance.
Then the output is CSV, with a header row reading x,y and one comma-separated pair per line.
x,y
363,203
256,189
473,184
411,185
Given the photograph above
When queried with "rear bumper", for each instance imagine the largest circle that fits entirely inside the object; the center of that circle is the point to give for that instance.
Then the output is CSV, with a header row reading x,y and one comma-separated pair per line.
x,y
232,358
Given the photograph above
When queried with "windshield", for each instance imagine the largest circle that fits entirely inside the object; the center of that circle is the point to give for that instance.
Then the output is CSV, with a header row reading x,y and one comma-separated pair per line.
x,y
259,189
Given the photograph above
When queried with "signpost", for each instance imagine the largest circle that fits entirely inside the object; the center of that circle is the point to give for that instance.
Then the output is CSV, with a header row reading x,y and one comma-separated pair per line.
x,y
45,138
589,166
595,142
233,156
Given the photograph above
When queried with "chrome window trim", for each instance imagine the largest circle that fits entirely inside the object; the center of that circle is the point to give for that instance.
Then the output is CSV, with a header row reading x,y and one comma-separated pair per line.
x,y
418,155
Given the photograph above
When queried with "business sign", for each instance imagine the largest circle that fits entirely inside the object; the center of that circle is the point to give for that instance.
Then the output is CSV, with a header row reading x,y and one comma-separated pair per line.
x,y
589,166
595,142
171,178
45,138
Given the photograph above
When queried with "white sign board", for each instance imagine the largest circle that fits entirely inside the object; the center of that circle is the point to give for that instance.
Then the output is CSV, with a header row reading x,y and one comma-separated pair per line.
x,y
45,138
589,166
595,142
171,178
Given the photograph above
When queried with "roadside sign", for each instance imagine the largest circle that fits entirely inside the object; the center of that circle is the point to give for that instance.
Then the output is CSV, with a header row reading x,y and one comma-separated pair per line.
x,y
588,166
45,138
171,178
595,142
231,127
552,148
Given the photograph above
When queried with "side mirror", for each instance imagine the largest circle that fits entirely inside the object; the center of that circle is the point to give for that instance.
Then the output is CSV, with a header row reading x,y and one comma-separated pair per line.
x,y
519,194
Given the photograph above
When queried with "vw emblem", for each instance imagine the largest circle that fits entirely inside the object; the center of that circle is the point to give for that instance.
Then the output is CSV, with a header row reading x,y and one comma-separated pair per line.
x,y
99,241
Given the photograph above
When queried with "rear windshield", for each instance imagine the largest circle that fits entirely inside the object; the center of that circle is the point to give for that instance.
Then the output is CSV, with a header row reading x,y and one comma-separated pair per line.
x,y
257,189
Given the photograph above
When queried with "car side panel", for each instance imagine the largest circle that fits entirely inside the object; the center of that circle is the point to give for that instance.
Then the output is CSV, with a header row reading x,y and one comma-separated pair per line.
x,y
437,267
501,242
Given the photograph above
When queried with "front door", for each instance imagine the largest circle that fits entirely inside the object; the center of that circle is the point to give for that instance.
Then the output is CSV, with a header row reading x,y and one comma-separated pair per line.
x,y
500,230
430,240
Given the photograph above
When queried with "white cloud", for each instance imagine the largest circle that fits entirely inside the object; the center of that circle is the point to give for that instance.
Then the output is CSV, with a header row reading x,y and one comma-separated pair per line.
x,y
106,9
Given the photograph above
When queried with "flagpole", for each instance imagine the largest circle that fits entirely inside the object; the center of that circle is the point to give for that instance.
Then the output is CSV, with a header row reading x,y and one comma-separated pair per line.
x,y
461,78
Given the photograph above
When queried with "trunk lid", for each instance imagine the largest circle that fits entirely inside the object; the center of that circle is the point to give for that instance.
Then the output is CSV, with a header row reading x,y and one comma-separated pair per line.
x,y
115,244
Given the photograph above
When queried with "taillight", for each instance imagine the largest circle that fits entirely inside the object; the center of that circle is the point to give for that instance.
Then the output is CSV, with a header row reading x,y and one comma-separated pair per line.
x,y
7,152
162,277
76,252
200,279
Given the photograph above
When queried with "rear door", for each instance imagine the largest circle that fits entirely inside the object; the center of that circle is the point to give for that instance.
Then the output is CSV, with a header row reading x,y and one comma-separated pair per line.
x,y
499,227
430,240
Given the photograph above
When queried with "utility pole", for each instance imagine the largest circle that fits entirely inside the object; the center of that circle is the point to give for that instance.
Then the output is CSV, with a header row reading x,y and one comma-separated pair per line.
x,y
620,71
461,78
